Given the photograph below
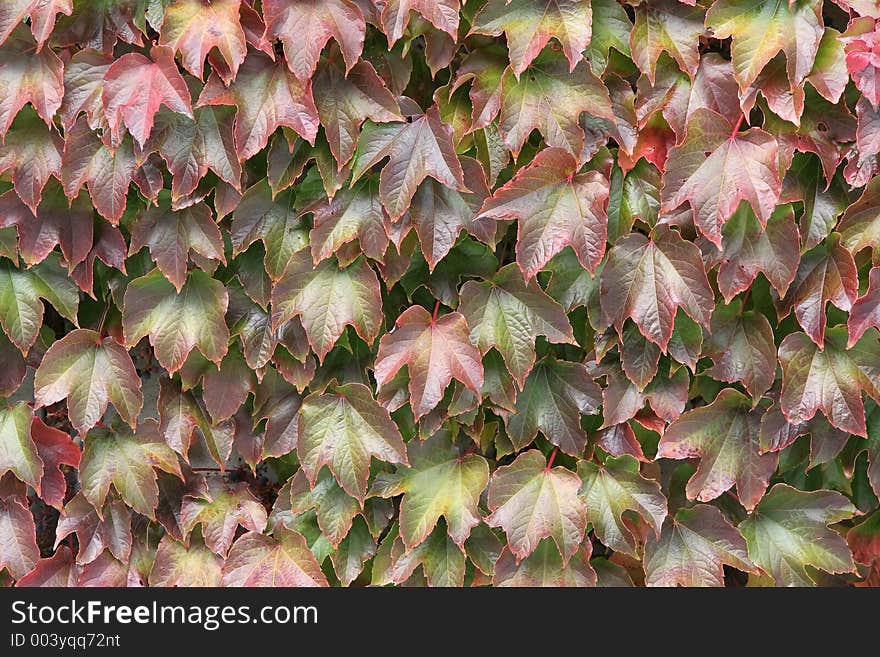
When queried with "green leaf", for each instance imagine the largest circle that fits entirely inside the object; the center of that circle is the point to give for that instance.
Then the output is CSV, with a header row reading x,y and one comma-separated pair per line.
x,y
18,452
280,560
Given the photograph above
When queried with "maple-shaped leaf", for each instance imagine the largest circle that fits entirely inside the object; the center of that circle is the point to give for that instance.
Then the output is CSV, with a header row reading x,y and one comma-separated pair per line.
x,y
18,544
830,379
484,68
180,414
865,311
415,150
441,482
713,169
107,171
529,25
283,559
327,299
545,567
556,207
434,350
172,234
555,395
220,512
83,83
748,248
353,552
442,14
260,215
100,25
345,99
191,147
177,322
859,42
126,460
442,561
666,25
826,273
614,489
342,429
353,214
693,549
860,226
551,99
788,531
136,86
531,501
21,311
760,30
57,570
647,280
96,531
741,346
193,28
31,153
90,372
18,451
335,510
27,76
55,448
724,436
305,28
507,313
41,13
267,96
177,564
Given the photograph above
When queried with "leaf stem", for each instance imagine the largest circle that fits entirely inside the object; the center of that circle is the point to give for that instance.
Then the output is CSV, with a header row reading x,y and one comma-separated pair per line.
x,y
436,310
550,460
736,127
206,469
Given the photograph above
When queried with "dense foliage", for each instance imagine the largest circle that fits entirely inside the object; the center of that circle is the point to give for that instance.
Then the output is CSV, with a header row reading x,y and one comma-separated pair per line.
x,y
519,292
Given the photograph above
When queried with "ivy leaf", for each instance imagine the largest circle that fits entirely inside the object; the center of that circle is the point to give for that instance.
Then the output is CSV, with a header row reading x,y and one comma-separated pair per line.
x,y
614,489
555,395
435,350
830,379
667,26
724,435
860,226
321,20
415,150
179,565
507,313
177,322
545,567
442,14
353,214
647,280
90,372
18,451
42,15
193,28
865,311
221,512
31,153
134,88
335,510
267,96
54,448
327,299
440,482
126,460
109,528
556,207
531,501
551,99
28,76
342,429
788,531
283,559
693,548
529,26
18,545
739,167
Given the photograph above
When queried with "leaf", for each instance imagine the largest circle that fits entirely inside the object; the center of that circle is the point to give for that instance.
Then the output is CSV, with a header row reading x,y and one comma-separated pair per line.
x,y
860,226
42,15
193,28
724,435
18,451
545,567
327,299
172,235
556,207
440,482
179,565
788,531
341,20
551,99
713,170
28,76
614,489
507,313
176,323
335,510
342,429
415,150
531,501
865,312
55,448
18,546
221,512
442,14
666,26
109,528
693,548
126,461
647,280
267,96
90,372
353,214
282,559
134,88
555,396
32,153
434,350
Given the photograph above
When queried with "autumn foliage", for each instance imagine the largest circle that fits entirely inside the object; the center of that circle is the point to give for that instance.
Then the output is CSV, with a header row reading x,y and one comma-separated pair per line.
x,y
415,292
